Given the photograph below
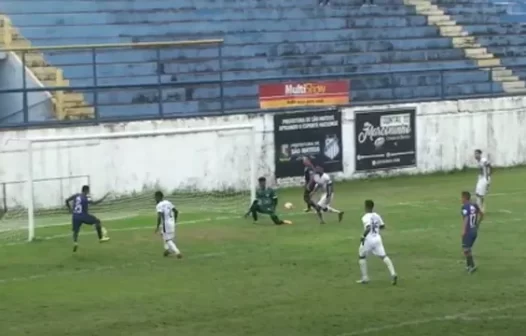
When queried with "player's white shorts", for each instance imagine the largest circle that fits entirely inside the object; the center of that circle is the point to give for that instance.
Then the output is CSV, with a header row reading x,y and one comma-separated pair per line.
x,y
482,187
325,200
168,236
372,245
168,232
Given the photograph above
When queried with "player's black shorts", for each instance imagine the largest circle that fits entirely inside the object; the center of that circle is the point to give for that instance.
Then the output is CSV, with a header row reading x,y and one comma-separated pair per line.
x,y
468,239
80,219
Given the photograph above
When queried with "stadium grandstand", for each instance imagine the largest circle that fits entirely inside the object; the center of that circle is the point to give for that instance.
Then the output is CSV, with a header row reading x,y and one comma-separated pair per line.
x,y
395,50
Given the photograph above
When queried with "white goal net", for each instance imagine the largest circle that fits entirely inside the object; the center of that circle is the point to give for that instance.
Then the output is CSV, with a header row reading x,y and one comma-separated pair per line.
x,y
206,172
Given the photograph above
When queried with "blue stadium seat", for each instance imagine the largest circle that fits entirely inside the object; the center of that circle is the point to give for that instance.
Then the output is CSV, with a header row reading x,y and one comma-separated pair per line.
x,y
262,40
490,23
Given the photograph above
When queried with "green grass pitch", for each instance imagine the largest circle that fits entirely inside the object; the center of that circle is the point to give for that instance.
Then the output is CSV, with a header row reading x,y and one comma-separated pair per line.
x,y
241,279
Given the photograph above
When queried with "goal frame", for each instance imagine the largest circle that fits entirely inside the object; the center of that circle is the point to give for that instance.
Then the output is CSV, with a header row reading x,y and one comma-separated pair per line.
x,y
30,207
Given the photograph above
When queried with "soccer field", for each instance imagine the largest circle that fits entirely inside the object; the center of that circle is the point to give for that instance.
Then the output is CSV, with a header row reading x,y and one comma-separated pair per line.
x,y
241,279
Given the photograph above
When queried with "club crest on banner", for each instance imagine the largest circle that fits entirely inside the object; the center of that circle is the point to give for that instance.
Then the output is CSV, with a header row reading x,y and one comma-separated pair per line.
x,y
332,148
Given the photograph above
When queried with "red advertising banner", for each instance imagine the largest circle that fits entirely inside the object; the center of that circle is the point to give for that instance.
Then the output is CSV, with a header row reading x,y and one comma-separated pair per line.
x,y
326,93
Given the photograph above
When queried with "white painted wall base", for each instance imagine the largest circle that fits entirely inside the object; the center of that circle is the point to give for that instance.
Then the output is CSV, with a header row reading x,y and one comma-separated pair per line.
x,y
447,134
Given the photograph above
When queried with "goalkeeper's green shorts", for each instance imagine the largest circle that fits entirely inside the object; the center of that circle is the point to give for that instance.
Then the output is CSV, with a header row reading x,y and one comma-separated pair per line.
x,y
265,211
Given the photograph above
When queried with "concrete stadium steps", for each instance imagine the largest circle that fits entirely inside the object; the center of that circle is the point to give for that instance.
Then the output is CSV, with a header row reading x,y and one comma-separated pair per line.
x,y
80,6
334,16
244,95
503,39
358,62
463,40
233,33
67,105
241,102
233,90
285,49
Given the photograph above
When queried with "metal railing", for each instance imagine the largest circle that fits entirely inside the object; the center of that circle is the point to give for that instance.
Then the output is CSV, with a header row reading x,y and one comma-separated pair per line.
x,y
104,97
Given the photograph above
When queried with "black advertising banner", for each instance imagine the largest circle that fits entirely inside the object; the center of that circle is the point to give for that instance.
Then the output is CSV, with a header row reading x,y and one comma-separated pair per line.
x,y
316,134
385,139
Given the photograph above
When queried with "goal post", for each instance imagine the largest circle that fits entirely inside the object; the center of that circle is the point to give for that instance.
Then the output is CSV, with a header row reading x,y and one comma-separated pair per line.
x,y
170,160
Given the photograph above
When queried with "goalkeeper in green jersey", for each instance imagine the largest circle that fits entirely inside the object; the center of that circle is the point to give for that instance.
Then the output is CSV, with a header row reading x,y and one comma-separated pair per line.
x,y
265,203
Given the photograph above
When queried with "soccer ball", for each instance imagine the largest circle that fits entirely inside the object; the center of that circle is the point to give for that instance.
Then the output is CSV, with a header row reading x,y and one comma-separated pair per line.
x,y
288,206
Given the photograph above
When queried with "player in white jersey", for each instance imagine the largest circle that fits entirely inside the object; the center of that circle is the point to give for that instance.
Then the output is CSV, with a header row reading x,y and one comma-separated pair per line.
x,y
166,218
371,243
324,183
484,178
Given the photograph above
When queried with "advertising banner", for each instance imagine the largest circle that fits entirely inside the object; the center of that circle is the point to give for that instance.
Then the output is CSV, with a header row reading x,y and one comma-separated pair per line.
x,y
317,135
385,139
293,94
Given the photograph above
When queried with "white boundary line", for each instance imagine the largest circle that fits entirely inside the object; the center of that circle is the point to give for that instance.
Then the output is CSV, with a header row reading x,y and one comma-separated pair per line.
x,y
418,204
492,318
461,316
137,228
102,268
285,214
199,256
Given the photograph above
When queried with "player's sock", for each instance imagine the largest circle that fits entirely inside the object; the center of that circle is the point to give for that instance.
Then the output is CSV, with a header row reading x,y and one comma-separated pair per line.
x,y
75,236
469,261
167,251
333,210
173,247
275,219
98,227
363,269
319,214
390,266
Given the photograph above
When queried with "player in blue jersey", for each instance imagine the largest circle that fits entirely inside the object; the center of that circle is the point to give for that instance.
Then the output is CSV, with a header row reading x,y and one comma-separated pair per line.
x,y
471,218
80,215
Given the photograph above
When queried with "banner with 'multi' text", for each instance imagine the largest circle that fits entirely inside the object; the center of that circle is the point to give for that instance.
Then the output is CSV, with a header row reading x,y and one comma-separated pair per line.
x,y
324,93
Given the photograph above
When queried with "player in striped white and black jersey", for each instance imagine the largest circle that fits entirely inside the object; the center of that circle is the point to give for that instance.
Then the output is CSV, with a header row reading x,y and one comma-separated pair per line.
x,y
324,183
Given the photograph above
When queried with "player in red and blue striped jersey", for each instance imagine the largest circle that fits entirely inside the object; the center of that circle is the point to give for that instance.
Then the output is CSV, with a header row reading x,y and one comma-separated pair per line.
x,y
308,175
471,218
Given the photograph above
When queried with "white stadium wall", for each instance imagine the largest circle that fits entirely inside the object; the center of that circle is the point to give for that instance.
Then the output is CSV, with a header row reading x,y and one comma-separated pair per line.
x,y
446,133
200,161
